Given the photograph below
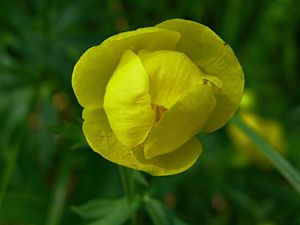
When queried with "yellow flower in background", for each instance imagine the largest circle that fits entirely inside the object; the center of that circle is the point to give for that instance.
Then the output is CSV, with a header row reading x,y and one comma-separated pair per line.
x,y
147,93
270,130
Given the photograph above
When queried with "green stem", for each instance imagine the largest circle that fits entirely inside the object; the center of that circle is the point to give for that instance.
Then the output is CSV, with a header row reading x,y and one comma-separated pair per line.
x,y
282,165
129,186
125,182
56,207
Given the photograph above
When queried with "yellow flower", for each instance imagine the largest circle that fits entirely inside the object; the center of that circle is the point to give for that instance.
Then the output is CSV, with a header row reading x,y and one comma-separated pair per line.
x,y
147,93
269,129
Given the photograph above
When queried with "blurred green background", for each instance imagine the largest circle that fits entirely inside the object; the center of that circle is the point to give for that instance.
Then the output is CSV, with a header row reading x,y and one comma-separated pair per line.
x,y
46,168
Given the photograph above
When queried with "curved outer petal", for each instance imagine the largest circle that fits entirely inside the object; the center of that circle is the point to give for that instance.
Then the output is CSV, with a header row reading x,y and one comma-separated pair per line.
x,y
214,57
93,70
103,141
127,102
170,73
181,122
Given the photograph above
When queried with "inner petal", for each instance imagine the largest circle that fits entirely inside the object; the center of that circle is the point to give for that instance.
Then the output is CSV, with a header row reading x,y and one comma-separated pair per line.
x,y
170,74
95,67
127,102
181,122
215,58
214,82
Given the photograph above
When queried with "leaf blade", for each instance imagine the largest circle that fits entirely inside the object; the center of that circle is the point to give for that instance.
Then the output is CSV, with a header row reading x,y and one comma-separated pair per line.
x,y
107,211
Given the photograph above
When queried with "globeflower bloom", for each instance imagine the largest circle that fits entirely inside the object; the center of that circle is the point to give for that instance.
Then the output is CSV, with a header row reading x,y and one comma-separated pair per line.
x,y
248,152
147,93
271,130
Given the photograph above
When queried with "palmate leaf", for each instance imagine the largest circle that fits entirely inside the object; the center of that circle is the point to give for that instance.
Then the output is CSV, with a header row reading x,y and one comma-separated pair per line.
x,y
280,163
107,211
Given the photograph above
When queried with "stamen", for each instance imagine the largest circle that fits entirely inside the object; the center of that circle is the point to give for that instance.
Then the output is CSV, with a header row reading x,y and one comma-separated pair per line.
x,y
159,111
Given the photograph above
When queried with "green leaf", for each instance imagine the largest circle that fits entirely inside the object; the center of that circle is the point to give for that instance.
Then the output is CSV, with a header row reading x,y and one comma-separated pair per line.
x,y
96,208
281,164
156,212
58,198
139,177
10,163
159,214
107,211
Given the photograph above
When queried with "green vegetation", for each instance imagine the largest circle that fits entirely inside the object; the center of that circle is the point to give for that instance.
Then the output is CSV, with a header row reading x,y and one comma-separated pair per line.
x,y
48,173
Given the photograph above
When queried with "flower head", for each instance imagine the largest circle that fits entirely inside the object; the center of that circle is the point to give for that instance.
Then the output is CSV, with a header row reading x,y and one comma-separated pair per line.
x,y
147,93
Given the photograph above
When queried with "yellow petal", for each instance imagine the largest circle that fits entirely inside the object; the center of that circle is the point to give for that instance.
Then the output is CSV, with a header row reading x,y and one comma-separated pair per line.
x,y
216,58
213,81
97,131
103,141
127,102
175,162
96,65
182,121
171,73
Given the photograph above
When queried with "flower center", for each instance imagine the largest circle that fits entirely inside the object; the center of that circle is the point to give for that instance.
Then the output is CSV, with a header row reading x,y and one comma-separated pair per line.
x,y
159,111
